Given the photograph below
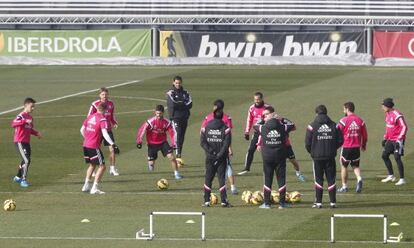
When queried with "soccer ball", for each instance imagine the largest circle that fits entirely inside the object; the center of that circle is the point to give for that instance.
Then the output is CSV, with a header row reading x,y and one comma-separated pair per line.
x,y
246,196
295,197
213,199
180,162
257,198
288,197
9,205
274,196
162,184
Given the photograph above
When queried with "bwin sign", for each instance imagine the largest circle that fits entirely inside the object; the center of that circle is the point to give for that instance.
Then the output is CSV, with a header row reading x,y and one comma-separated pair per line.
x,y
209,49
292,48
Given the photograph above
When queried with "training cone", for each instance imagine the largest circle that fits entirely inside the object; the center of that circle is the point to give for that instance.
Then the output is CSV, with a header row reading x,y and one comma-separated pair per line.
x,y
190,222
394,224
85,221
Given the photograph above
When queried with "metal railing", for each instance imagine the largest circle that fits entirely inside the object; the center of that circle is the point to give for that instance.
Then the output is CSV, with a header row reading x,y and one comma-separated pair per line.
x,y
209,12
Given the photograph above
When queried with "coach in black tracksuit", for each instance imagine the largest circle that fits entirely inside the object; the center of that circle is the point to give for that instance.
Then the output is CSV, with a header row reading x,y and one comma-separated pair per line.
x,y
273,135
322,140
215,139
179,103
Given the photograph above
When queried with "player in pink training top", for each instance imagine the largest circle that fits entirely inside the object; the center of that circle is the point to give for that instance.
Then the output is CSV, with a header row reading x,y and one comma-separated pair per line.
x,y
394,139
219,105
355,136
94,128
254,115
112,123
23,129
156,129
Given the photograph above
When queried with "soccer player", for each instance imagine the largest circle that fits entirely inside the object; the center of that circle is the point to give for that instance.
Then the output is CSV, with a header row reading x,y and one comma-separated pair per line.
x,y
219,105
273,135
112,123
254,116
179,104
289,149
23,129
94,128
394,139
355,137
322,140
156,129
215,139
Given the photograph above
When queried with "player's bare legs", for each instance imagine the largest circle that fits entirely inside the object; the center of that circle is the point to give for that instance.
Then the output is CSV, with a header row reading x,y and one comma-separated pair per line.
x,y
296,166
344,177
151,165
112,170
98,177
174,166
87,185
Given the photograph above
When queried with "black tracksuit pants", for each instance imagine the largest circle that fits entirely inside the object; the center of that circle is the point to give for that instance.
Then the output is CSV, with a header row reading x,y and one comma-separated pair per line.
x,y
250,151
392,147
214,167
180,126
269,169
327,167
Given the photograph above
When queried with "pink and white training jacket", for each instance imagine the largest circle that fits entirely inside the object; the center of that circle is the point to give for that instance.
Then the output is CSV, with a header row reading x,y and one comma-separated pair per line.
x,y
395,126
156,130
254,115
109,112
93,126
23,128
226,119
354,131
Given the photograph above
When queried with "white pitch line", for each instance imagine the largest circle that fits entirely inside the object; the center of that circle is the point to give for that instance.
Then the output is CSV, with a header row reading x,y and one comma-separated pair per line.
x,y
72,95
198,239
174,193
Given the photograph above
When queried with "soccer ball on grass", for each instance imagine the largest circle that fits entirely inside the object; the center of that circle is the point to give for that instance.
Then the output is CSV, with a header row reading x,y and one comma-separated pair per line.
x,y
9,205
162,184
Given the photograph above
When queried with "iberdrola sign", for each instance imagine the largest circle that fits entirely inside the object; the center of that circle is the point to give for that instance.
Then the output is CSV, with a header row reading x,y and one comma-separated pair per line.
x,y
76,44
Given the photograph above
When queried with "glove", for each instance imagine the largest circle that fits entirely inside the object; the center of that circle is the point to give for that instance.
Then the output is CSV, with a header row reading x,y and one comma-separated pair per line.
x,y
116,149
139,146
383,143
246,136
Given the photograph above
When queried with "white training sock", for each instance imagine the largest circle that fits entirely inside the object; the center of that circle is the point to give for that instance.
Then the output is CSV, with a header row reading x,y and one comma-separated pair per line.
x,y
359,178
344,185
233,187
298,173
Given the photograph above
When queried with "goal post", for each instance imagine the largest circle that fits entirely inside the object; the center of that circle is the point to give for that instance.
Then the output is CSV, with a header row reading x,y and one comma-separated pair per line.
x,y
150,236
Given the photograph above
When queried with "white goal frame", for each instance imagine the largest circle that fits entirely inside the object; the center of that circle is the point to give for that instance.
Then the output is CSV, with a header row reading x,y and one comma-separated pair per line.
x,y
383,216
150,236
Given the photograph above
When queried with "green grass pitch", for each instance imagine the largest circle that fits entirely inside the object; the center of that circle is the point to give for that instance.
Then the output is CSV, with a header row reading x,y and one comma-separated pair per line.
x,y
50,211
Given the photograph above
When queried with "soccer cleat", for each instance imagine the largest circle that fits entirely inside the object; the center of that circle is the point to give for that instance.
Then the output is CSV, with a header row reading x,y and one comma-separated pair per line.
x,y
389,178
401,182
178,176
24,184
226,205
86,187
333,205
96,191
283,206
151,167
234,191
113,171
317,205
301,177
243,172
342,190
17,179
359,187
206,204
264,206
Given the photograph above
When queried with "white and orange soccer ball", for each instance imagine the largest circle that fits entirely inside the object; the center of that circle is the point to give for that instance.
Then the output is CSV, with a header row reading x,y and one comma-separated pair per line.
x,y
9,205
274,196
295,197
213,199
257,198
180,162
246,196
162,184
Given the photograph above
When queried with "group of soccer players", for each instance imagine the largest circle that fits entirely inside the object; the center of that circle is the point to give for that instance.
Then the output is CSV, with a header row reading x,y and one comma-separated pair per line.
x,y
270,137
